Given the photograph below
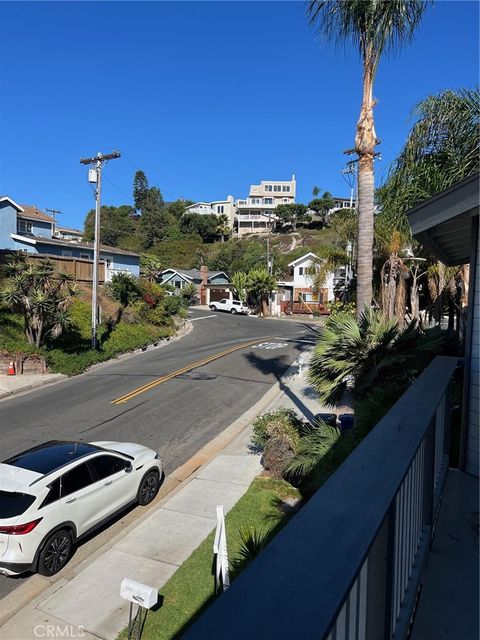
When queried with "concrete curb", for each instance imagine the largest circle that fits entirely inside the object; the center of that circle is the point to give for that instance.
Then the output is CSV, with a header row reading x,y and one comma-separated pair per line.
x,y
35,587
184,331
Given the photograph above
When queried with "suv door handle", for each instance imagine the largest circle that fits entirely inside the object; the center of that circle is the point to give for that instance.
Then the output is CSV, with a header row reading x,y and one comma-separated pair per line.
x,y
70,500
108,482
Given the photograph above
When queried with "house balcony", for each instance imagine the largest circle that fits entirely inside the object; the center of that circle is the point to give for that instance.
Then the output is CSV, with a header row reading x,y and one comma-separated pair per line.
x,y
248,204
352,562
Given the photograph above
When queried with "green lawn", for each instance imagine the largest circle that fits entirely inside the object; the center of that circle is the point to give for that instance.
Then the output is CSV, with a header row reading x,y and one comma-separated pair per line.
x,y
190,589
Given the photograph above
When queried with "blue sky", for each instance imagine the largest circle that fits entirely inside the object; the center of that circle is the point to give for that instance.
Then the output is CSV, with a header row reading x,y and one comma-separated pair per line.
x,y
205,97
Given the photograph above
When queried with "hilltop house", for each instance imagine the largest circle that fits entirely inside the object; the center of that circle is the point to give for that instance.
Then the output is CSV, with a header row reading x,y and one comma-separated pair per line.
x,y
256,214
27,229
216,207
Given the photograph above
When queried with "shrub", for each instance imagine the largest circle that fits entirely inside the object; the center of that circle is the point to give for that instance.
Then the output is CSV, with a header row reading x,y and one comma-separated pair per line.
x,y
283,423
172,305
159,318
125,288
277,455
152,293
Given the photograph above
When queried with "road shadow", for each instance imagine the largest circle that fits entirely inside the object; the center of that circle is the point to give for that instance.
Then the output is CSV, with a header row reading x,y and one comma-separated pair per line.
x,y
277,366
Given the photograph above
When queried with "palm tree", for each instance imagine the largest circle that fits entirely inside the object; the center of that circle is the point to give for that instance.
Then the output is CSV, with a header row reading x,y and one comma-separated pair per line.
x,y
372,353
223,226
376,27
260,285
441,149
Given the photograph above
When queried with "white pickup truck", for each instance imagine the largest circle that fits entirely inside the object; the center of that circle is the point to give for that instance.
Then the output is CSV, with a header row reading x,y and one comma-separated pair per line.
x,y
232,306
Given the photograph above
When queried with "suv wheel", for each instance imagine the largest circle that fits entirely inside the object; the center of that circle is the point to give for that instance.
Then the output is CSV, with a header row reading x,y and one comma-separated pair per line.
x,y
55,553
213,307
233,311
149,487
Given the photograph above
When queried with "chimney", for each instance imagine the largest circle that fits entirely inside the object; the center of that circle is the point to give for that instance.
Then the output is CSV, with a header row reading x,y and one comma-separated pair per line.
x,y
204,274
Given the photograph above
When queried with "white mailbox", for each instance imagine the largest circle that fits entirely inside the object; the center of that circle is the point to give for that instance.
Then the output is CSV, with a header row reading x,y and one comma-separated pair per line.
x,y
138,593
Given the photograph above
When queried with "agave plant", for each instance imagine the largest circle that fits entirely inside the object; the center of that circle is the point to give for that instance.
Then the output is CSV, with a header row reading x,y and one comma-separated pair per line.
x,y
369,353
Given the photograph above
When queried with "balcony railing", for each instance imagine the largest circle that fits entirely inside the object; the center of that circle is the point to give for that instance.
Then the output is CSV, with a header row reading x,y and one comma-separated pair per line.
x,y
349,564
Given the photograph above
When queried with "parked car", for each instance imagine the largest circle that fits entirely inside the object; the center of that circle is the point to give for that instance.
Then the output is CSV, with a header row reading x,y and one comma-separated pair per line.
x,y
232,306
56,493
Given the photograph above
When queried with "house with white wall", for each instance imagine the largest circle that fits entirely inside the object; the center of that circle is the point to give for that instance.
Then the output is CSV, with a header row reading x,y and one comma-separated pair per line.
x,y
216,207
256,214
300,289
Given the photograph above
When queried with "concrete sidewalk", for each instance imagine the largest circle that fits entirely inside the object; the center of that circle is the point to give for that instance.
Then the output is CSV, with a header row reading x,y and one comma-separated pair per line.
x,y
151,549
10,385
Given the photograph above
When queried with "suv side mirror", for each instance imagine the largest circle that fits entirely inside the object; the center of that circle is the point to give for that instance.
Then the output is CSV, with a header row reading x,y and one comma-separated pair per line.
x,y
128,467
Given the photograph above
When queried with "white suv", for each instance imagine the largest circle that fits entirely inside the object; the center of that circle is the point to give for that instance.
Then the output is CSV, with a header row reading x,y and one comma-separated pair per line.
x,y
54,494
232,306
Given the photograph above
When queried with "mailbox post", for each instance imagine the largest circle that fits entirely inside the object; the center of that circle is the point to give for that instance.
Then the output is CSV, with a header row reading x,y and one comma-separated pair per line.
x,y
142,595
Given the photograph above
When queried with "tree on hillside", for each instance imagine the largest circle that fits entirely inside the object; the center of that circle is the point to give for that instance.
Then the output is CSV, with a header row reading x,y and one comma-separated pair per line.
x,y
223,226
239,281
150,268
376,28
204,226
178,207
293,214
260,285
40,294
140,189
154,221
116,223
322,206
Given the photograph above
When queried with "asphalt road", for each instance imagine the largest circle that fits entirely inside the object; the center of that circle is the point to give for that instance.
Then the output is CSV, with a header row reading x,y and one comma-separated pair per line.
x,y
176,417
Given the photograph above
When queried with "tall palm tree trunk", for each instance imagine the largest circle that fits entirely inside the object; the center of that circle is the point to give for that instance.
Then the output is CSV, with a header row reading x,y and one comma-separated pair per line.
x,y
365,141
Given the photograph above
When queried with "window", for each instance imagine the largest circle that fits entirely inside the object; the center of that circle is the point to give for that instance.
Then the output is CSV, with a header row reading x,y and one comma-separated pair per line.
x,y
53,495
285,199
76,479
14,504
85,256
277,187
23,226
178,284
105,466
220,208
300,271
286,187
268,200
255,200
268,187
67,254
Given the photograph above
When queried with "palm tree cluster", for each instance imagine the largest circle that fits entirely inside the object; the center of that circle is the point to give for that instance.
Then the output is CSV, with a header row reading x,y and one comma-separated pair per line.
x,y
40,294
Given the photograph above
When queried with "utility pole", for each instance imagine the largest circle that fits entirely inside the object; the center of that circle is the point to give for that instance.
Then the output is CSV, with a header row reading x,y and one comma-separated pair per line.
x,y
350,173
95,177
54,212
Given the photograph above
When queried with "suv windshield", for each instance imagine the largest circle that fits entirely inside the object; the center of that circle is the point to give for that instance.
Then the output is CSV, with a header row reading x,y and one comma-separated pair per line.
x,y
14,504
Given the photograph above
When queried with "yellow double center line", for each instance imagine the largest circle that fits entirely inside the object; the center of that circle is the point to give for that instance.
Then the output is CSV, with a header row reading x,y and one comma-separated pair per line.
x,y
189,367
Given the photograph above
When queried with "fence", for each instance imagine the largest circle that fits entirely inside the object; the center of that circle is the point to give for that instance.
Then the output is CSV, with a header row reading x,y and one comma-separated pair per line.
x,y
312,308
79,268
349,565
